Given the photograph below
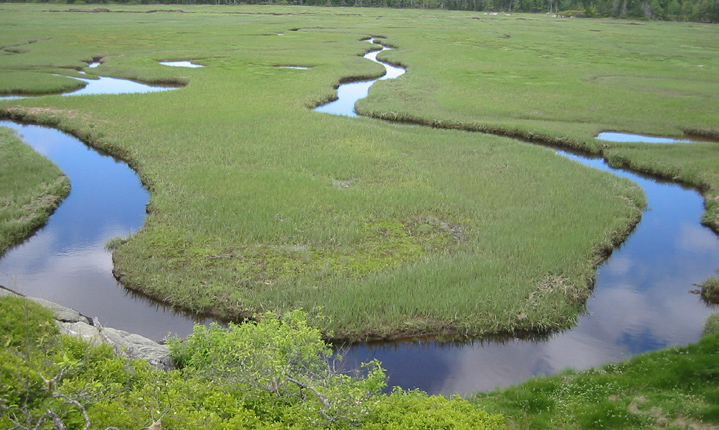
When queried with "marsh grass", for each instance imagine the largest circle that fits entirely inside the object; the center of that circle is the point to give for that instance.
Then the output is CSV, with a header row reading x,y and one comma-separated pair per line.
x,y
437,231
31,82
562,82
710,289
31,188
673,388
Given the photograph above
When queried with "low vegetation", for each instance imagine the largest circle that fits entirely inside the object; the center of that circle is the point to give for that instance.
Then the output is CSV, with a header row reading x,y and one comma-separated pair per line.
x,y
279,373
710,290
673,388
275,374
517,79
31,188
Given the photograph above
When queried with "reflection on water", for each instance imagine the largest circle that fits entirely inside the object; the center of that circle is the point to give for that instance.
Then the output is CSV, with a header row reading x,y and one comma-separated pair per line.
x,y
628,137
293,67
348,94
181,64
66,262
107,85
641,303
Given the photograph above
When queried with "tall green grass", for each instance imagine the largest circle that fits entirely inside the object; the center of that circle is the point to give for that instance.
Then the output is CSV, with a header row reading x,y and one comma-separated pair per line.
x,y
672,388
563,82
259,203
31,187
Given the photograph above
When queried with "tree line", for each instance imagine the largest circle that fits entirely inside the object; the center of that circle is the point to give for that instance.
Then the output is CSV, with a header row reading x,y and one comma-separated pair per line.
x,y
674,10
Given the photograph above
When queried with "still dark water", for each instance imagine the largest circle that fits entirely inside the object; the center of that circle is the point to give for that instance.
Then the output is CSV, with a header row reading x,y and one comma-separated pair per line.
x,y
66,261
641,300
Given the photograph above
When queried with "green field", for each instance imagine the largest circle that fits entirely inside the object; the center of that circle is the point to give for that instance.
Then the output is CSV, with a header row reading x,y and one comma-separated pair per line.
x,y
385,230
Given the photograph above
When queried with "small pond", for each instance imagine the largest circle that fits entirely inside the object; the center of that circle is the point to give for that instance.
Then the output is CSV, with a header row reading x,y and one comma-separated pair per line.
x,y
612,136
187,64
105,85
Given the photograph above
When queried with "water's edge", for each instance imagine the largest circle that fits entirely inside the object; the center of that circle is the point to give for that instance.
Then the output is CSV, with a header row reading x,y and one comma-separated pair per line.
x,y
488,363
445,368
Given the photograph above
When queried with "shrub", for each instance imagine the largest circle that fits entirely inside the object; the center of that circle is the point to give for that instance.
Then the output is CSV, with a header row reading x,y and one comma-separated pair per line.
x,y
416,410
281,360
712,325
710,290
22,320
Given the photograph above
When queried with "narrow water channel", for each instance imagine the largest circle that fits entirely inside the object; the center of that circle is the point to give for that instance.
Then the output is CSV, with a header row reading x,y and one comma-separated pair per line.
x,y
66,261
613,136
105,85
641,300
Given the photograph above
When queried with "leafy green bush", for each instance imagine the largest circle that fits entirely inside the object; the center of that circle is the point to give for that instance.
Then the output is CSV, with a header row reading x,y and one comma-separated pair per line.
x,y
415,410
277,373
281,361
23,321
712,325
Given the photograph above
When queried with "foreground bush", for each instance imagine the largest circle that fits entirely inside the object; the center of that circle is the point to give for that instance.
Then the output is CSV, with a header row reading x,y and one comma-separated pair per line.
x,y
274,374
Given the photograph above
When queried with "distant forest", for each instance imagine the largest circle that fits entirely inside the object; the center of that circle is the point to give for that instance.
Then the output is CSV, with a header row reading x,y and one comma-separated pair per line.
x,y
668,10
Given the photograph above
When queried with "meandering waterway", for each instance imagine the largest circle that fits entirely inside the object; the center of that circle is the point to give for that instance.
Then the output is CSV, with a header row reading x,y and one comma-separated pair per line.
x,y
641,300
66,261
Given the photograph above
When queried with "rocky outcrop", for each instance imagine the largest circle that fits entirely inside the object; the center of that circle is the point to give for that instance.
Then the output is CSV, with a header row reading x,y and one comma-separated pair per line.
x,y
129,345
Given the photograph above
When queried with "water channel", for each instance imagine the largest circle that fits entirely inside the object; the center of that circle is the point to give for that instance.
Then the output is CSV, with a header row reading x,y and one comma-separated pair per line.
x,y
613,136
66,261
641,300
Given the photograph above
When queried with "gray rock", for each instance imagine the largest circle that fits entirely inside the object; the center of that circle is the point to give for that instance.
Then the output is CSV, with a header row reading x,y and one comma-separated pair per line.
x,y
129,345
125,344
61,312
135,346
80,329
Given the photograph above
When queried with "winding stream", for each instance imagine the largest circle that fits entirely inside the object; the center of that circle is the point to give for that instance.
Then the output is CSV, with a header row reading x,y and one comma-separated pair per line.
x,y
640,303
641,300
106,85
66,261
